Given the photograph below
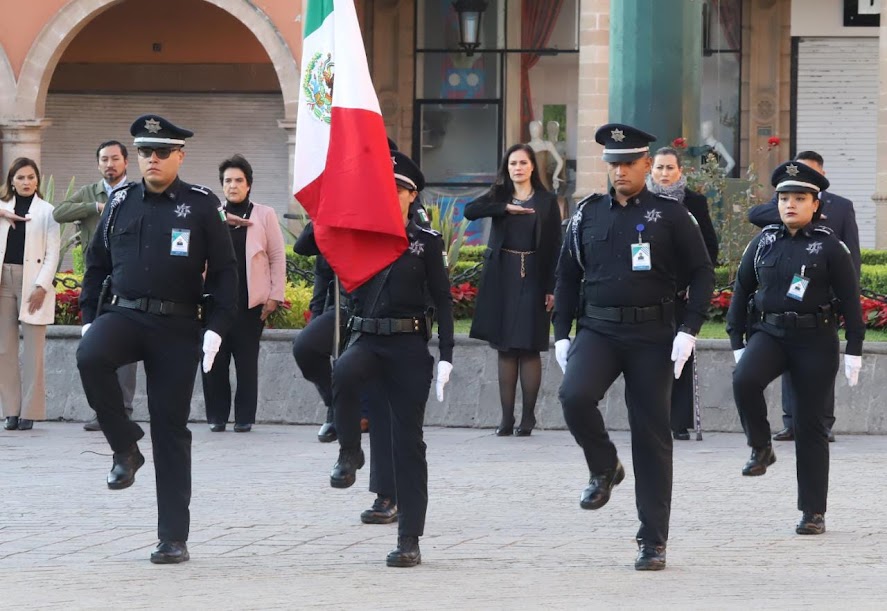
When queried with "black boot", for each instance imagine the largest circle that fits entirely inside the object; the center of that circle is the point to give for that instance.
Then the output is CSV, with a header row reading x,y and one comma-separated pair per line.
x,y
383,511
123,473
407,553
597,493
761,458
344,472
170,552
651,557
811,524
327,432
25,425
11,423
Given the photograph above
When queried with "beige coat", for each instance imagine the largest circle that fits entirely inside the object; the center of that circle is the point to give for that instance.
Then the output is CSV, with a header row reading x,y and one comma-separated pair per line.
x,y
41,258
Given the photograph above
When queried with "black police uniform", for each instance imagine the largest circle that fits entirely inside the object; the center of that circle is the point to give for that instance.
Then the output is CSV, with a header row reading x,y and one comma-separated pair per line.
x,y
794,330
837,214
626,325
154,247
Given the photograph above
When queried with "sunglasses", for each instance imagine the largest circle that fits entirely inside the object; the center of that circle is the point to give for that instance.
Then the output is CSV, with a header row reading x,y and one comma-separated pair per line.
x,y
145,152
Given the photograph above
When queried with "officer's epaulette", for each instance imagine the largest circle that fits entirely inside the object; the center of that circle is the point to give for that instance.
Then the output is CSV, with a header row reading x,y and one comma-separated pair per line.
x,y
200,189
823,229
772,227
126,185
667,197
589,198
429,230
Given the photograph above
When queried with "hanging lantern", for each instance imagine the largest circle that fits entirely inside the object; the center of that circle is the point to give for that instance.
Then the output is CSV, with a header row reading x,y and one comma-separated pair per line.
x,y
470,12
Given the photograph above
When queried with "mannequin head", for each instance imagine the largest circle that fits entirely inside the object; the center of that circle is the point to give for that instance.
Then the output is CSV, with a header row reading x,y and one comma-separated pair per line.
x,y
553,130
707,130
535,130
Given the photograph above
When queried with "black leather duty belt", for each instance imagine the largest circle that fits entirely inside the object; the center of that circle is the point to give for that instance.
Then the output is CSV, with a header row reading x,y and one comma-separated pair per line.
x,y
630,314
386,326
793,320
157,306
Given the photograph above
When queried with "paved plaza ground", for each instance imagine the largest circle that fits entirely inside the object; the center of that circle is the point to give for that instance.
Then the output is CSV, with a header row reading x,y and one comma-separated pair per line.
x,y
504,529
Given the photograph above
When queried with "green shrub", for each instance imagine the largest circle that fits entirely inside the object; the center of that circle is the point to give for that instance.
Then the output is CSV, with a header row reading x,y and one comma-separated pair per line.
x,y
292,314
475,254
874,278
874,257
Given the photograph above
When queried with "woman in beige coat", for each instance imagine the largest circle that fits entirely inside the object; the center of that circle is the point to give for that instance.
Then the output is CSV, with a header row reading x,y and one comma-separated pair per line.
x,y
29,249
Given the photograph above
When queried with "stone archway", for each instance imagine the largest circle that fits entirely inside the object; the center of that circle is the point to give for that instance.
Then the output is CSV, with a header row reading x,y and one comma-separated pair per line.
x,y
7,82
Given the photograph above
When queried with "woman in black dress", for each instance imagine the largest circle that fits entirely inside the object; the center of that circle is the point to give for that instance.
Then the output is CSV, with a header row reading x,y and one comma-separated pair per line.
x,y
516,293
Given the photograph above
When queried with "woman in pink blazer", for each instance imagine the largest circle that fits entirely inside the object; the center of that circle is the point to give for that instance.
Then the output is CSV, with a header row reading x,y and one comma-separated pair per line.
x,y
258,244
29,249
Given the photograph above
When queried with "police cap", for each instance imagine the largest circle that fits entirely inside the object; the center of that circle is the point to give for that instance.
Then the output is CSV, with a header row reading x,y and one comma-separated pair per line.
x,y
155,131
623,143
798,177
406,173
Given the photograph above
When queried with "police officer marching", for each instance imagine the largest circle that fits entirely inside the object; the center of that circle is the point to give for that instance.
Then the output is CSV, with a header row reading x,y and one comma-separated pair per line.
x,y
141,301
617,274
388,346
788,278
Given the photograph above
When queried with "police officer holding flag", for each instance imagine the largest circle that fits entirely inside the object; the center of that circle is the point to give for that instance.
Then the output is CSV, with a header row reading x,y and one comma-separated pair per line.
x,y
617,274
141,301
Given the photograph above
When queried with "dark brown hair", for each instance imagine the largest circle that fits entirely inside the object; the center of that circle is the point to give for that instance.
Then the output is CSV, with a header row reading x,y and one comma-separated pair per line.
x,y
503,189
6,190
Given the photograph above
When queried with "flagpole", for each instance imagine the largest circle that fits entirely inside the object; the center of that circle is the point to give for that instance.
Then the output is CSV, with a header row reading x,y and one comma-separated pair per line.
x,y
337,329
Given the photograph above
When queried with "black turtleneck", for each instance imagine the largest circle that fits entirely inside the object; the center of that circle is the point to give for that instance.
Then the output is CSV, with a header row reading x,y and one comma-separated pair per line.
x,y
238,239
15,239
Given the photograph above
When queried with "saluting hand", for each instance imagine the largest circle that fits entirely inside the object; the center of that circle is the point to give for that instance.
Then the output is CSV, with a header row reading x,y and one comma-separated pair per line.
x,y
515,209
237,221
12,217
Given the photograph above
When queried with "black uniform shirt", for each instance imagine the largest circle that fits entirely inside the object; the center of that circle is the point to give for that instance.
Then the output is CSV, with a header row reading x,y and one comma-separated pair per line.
x,y
768,266
603,238
143,261
420,268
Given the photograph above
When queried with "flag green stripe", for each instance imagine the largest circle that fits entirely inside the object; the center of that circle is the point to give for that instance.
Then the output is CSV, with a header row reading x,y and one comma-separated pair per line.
x,y
317,11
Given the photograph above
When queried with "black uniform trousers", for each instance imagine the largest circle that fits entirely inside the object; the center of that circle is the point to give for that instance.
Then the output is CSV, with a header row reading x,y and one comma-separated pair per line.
x,y
241,342
595,361
313,351
402,365
790,404
811,357
682,416
170,356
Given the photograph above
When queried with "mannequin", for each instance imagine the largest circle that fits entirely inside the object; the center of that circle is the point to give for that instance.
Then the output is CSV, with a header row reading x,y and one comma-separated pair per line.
x,y
719,149
552,133
545,151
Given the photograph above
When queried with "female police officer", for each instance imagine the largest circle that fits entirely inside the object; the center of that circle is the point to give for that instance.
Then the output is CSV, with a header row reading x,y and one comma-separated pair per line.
x,y
388,346
791,271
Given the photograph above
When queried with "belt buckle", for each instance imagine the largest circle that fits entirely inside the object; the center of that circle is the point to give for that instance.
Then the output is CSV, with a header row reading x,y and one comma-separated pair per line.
x,y
163,310
383,326
790,319
626,317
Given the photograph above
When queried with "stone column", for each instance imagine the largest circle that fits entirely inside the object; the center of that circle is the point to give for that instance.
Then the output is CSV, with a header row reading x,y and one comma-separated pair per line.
x,y
594,78
880,196
21,138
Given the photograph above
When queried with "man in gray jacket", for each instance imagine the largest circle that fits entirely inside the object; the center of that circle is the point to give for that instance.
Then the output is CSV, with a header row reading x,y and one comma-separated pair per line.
x,y
85,208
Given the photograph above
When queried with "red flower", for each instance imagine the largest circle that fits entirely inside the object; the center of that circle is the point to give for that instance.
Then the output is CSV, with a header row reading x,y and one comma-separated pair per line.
x,y
679,143
773,142
307,316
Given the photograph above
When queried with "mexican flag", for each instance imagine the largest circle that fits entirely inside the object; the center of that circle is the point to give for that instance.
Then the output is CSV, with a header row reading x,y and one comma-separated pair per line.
x,y
344,175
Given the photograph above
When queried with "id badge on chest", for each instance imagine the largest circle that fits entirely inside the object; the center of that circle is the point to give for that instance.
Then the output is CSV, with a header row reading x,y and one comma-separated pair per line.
x,y
641,261
181,241
798,286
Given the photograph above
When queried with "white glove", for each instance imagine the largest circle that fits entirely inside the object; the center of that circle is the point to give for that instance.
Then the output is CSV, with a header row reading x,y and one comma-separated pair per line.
x,y
85,328
852,365
561,350
737,354
443,376
212,341
681,351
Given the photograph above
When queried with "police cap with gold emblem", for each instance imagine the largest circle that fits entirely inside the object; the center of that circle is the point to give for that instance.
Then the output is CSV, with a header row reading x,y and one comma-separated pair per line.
x,y
406,173
154,131
798,177
623,143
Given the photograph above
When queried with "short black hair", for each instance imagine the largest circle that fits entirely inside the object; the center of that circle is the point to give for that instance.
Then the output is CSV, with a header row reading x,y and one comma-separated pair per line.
x,y
810,156
239,162
668,150
123,150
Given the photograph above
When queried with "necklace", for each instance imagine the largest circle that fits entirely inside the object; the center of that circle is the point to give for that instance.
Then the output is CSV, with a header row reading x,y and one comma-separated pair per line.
x,y
520,202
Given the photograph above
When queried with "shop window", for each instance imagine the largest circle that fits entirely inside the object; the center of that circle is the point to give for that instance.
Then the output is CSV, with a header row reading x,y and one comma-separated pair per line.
x,y
721,80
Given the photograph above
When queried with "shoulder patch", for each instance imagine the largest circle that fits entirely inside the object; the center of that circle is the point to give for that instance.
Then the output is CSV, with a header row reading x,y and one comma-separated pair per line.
x,y
590,198
200,189
429,230
665,197
823,229
772,227
844,246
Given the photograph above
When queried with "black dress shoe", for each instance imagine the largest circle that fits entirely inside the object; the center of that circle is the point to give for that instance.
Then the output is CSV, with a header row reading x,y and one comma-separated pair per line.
x,y
597,493
761,458
344,472
170,552
11,423
811,524
651,557
522,432
327,433
123,473
25,425
831,436
407,553
217,427
786,434
383,511
243,428
681,435
505,430
93,425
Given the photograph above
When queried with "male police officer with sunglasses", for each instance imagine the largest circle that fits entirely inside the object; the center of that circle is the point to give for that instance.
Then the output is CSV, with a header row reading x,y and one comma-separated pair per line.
x,y
141,301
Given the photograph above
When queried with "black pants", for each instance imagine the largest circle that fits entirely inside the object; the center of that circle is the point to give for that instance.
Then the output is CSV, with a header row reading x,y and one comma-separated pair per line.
x,y
790,404
811,357
595,361
313,349
170,359
241,342
682,416
402,366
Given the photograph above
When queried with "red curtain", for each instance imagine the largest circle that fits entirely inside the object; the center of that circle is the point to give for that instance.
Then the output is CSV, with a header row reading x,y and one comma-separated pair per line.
x,y
537,22
730,14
